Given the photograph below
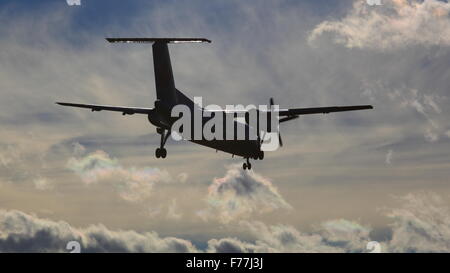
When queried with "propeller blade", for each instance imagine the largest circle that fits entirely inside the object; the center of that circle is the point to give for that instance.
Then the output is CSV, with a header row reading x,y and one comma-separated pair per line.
x,y
280,140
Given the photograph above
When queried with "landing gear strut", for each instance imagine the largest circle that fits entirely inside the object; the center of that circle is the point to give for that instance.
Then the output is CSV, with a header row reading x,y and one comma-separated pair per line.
x,y
161,151
247,165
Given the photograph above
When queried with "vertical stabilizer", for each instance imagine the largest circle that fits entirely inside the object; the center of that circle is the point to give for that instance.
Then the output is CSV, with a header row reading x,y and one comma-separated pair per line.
x,y
166,92
165,84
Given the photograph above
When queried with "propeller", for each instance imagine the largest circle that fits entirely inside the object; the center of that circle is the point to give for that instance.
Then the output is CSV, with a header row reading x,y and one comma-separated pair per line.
x,y
280,140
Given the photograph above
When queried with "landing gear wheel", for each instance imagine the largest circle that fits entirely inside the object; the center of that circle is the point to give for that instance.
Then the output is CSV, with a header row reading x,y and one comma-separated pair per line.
x,y
261,155
249,166
244,166
163,153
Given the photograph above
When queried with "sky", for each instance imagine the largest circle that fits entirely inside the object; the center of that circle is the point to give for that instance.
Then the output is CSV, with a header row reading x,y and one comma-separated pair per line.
x,y
340,180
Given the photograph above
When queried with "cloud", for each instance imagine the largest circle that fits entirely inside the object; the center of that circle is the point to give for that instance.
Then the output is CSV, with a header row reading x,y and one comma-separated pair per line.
x,y
21,232
232,245
430,135
427,106
389,157
133,184
447,133
182,177
332,236
20,166
172,211
9,154
421,224
42,184
241,193
83,68
430,119
395,24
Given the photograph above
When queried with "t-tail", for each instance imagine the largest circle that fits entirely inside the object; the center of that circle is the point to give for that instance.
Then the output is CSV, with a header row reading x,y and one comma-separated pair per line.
x,y
166,93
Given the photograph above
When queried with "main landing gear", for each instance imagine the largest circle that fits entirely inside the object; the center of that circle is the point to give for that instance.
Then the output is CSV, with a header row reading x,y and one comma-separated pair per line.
x,y
161,151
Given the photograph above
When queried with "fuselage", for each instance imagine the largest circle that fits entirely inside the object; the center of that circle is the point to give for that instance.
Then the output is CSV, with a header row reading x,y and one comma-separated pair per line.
x,y
247,147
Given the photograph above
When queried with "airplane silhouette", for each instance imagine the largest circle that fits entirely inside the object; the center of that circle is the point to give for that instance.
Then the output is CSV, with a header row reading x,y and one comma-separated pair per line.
x,y
168,96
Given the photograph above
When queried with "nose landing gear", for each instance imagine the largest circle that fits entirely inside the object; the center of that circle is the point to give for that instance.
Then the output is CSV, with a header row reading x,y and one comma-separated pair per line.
x,y
247,165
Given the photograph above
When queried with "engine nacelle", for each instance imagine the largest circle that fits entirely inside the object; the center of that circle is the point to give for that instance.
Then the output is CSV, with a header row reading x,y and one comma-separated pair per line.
x,y
155,118
264,117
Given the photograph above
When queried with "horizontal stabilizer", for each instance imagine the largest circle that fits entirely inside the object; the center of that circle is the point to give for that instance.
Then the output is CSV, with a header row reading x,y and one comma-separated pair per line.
x,y
162,40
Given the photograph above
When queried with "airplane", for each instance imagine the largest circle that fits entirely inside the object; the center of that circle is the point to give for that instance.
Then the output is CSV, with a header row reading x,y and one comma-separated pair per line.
x,y
168,96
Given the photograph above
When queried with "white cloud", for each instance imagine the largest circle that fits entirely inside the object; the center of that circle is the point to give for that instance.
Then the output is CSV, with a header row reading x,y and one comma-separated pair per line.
x,y
42,184
431,135
422,224
389,157
9,154
172,211
133,184
430,100
241,193
394,24
78,149
431,120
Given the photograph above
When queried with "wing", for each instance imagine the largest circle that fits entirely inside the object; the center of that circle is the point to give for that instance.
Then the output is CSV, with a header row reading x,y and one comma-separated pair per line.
x,y
293,113
321,110
96,107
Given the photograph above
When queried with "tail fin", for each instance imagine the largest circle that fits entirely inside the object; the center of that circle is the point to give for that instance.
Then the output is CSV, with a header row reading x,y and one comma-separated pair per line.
x,y
165,85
